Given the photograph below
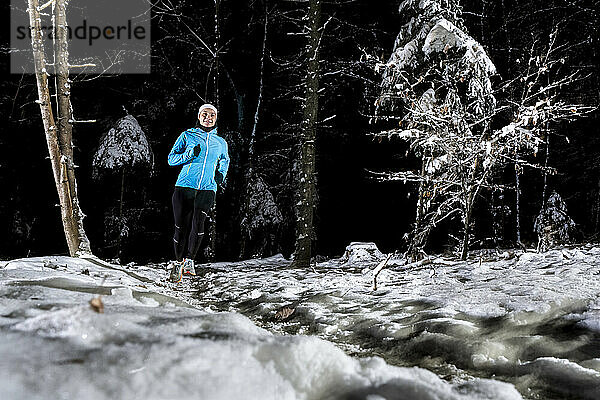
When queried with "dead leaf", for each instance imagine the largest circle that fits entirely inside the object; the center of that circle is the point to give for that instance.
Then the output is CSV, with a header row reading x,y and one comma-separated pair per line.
x,y
97,305
284,313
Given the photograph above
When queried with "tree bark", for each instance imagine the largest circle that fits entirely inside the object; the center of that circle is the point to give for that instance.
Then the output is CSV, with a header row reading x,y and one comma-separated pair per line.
x,y
59,136
249,175
518,202
418,236
306,185
467,231
121,214
212,237
217,50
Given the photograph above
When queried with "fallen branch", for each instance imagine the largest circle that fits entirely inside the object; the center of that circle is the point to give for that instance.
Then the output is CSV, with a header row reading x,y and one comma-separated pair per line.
x,y
415,266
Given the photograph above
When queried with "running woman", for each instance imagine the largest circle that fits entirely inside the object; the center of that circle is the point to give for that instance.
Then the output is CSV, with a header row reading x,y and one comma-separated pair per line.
x,y
204,158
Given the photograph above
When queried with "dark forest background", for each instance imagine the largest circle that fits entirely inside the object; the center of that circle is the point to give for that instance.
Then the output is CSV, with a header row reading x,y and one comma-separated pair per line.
x,y
351,205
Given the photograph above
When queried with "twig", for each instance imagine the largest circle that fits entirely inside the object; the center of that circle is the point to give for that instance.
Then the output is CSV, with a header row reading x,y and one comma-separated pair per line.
x,y
40,8
377,270
82,65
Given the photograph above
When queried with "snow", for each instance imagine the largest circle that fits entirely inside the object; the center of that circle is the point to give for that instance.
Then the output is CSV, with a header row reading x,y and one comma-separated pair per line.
x,y
445,35
55,346
405,56
525,318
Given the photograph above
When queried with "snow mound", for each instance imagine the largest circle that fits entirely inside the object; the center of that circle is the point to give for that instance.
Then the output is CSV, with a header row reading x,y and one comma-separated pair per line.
x,y
360,253
570,378
218,367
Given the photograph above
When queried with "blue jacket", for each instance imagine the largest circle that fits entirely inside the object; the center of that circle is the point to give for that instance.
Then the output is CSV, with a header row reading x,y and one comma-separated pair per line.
x,y
199,172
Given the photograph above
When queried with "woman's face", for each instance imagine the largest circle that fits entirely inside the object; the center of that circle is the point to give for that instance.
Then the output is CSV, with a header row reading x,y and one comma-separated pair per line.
x,y
208,118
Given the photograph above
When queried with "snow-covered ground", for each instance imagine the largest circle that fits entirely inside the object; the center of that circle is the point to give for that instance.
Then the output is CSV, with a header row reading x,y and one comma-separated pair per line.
x,y
445,330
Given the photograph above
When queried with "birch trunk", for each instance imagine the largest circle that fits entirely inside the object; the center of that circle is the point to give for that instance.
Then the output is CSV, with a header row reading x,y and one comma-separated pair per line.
x,y
58,136
306,185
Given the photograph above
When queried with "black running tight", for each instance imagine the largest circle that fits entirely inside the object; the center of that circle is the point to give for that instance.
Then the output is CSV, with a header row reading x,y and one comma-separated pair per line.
x,y
190,208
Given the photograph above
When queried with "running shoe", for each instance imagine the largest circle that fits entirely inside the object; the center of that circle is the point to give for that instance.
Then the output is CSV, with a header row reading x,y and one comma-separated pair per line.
x,y
188,267
176,271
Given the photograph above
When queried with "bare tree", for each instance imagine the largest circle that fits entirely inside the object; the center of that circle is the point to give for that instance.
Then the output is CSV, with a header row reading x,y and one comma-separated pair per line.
x,y
59,131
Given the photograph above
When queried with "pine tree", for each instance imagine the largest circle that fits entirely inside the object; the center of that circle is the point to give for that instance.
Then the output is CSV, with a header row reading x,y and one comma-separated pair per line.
x,y
306,184
438,79
438,84
553,224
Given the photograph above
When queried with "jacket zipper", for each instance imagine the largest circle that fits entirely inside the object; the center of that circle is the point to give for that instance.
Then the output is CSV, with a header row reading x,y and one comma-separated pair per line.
x,y
204,163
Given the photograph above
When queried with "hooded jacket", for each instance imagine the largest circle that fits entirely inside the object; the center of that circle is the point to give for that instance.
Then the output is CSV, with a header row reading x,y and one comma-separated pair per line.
x,y
199,172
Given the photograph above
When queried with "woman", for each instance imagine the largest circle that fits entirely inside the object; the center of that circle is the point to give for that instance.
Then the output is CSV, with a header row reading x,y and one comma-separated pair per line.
x,y
203,155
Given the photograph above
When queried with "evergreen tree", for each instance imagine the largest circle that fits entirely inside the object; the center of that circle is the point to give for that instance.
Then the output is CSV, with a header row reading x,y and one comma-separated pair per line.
x,y
437,83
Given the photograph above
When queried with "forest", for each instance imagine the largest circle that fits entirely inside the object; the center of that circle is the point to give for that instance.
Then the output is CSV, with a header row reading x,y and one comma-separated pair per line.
x,y
372,180
406,200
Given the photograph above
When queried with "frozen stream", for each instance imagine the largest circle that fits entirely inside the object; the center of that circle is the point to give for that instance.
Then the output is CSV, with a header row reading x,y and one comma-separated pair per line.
x,y
532,320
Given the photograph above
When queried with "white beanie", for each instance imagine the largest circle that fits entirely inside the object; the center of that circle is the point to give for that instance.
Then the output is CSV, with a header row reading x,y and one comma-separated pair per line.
x,y
207,105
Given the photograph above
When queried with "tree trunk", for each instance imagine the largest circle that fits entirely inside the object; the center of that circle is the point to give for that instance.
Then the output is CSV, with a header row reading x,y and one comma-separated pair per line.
x,y
467,225
121,214
65,121
417,240
306,185
210,252
59,137
249,175
545,190
217,50
518,202
212,229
